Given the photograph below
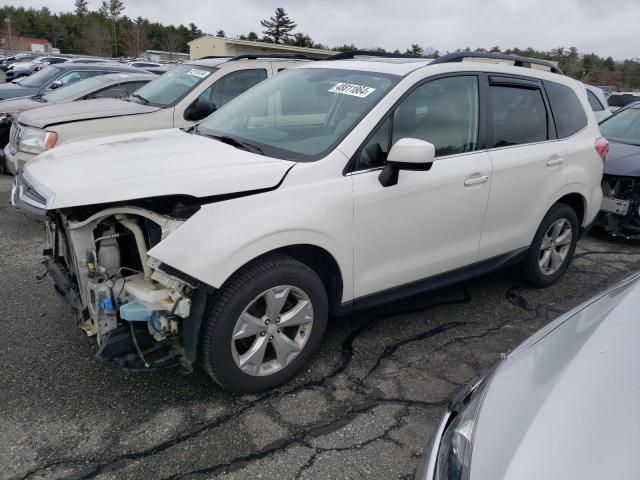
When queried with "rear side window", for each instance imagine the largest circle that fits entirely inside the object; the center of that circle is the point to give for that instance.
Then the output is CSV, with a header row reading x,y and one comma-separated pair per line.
x,y
518,116
566,108
596,106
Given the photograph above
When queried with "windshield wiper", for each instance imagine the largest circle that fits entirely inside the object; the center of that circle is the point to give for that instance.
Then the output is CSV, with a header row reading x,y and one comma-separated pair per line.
x,y
39,98
141,98
234,142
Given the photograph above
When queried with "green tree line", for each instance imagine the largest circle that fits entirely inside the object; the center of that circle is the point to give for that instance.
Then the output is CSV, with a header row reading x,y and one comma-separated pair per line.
x,y
110,32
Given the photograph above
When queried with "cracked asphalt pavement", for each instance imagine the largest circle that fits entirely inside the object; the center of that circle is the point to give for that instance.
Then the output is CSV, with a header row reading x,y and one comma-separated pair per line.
x,y
363,408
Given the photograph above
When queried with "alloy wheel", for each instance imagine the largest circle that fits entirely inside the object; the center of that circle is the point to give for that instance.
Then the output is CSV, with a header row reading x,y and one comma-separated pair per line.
x,y
555,246
272,330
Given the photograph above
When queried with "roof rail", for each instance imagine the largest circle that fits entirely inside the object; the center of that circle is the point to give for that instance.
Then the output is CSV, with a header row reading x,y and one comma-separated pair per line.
x,y
288,56
364,53
518,61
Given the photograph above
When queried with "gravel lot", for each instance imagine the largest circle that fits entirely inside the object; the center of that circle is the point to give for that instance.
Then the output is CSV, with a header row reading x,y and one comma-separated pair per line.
x,y
363,409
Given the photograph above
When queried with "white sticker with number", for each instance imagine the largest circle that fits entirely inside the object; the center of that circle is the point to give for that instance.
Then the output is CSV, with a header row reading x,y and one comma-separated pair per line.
x,y
351,89
198,73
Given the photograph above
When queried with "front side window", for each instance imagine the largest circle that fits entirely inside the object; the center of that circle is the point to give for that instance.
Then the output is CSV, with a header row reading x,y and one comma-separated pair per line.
x,y
300,113
118,91
173,85
567,110
518,116
73,77
75,90
443,112
41,78
231,85
624,127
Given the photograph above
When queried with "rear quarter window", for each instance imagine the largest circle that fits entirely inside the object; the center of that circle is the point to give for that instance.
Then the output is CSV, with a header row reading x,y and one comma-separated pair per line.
x,y
567,110
596,106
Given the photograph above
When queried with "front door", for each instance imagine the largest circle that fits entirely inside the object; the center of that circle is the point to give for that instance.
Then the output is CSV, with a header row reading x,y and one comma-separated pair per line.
x,y
430,221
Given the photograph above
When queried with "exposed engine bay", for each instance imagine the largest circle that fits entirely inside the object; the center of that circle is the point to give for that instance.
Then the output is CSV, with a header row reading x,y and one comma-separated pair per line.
x,y
138,313
620,211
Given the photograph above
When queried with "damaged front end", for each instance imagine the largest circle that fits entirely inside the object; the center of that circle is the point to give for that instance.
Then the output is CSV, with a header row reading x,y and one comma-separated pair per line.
x,y
143,314
620,211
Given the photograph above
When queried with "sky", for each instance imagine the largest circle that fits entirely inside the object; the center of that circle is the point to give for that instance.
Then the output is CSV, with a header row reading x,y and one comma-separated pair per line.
x,y
605,27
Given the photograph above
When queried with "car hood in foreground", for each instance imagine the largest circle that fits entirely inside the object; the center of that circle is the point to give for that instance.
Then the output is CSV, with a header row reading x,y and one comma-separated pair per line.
x,y
565,404
85,110
17,105
149,164
623,160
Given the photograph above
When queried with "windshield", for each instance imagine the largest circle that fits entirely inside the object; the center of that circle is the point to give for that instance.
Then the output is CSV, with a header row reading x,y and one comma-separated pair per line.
x,y
299,114
623,127
41,78
172,86
77,89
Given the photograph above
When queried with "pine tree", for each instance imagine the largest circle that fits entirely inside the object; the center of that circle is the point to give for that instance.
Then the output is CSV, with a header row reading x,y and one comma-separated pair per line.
x,y
220,34
112,10
82,8
279,26
415,49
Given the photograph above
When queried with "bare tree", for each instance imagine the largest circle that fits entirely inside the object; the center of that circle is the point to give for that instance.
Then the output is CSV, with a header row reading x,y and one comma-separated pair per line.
x,y
96,37
136,39
172,41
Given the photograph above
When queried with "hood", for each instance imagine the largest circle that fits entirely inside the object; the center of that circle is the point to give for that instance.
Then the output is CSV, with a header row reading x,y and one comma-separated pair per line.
x,y
150,164
11,90
565,404
85,110
17,105
623,160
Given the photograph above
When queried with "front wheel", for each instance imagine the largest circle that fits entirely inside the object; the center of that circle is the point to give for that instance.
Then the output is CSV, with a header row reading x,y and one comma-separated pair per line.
x,y
553,246
265,325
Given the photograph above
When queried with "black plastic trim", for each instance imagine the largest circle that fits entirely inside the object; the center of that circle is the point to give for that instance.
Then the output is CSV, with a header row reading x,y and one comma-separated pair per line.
x,y
431,283
518,61
366,53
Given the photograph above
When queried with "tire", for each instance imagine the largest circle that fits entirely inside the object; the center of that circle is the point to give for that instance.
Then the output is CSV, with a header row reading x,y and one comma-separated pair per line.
x,y
247,293
534,271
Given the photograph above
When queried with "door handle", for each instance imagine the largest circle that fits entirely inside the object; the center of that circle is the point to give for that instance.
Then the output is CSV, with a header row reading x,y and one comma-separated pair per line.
x,y
554,161
476,180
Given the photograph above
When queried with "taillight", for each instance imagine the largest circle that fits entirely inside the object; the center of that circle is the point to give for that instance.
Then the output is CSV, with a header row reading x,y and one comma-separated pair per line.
x,y
602,147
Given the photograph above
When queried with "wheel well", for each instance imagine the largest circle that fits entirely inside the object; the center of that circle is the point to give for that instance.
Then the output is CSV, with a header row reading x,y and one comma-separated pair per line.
x,y
325,266
575,201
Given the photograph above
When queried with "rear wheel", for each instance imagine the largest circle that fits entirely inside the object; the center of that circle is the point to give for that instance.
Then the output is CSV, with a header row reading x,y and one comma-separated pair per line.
x,y
265,324
553,246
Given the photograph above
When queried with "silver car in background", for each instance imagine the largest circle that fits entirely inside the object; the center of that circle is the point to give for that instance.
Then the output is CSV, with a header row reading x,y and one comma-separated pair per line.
x,y
565,404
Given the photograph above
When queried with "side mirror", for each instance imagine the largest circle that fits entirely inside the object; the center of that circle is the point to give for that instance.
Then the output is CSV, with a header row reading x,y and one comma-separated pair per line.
x,y
407,154
199,110
56,84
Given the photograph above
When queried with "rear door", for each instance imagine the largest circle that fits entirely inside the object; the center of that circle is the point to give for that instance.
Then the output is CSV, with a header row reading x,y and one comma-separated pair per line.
x,y
529,163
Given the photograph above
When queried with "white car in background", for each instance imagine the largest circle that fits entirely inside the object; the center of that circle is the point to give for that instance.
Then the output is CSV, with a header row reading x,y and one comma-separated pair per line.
x,y
179,98
598,102
334,186
114,85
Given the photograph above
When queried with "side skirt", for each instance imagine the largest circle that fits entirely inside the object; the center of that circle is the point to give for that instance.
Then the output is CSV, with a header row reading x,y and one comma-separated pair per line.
x,y
431,283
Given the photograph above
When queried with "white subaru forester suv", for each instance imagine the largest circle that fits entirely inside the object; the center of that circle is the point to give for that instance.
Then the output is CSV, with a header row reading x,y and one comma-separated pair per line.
x,y
331,187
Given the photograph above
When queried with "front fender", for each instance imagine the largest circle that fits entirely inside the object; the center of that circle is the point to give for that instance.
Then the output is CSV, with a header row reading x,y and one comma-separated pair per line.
x,y
222,237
